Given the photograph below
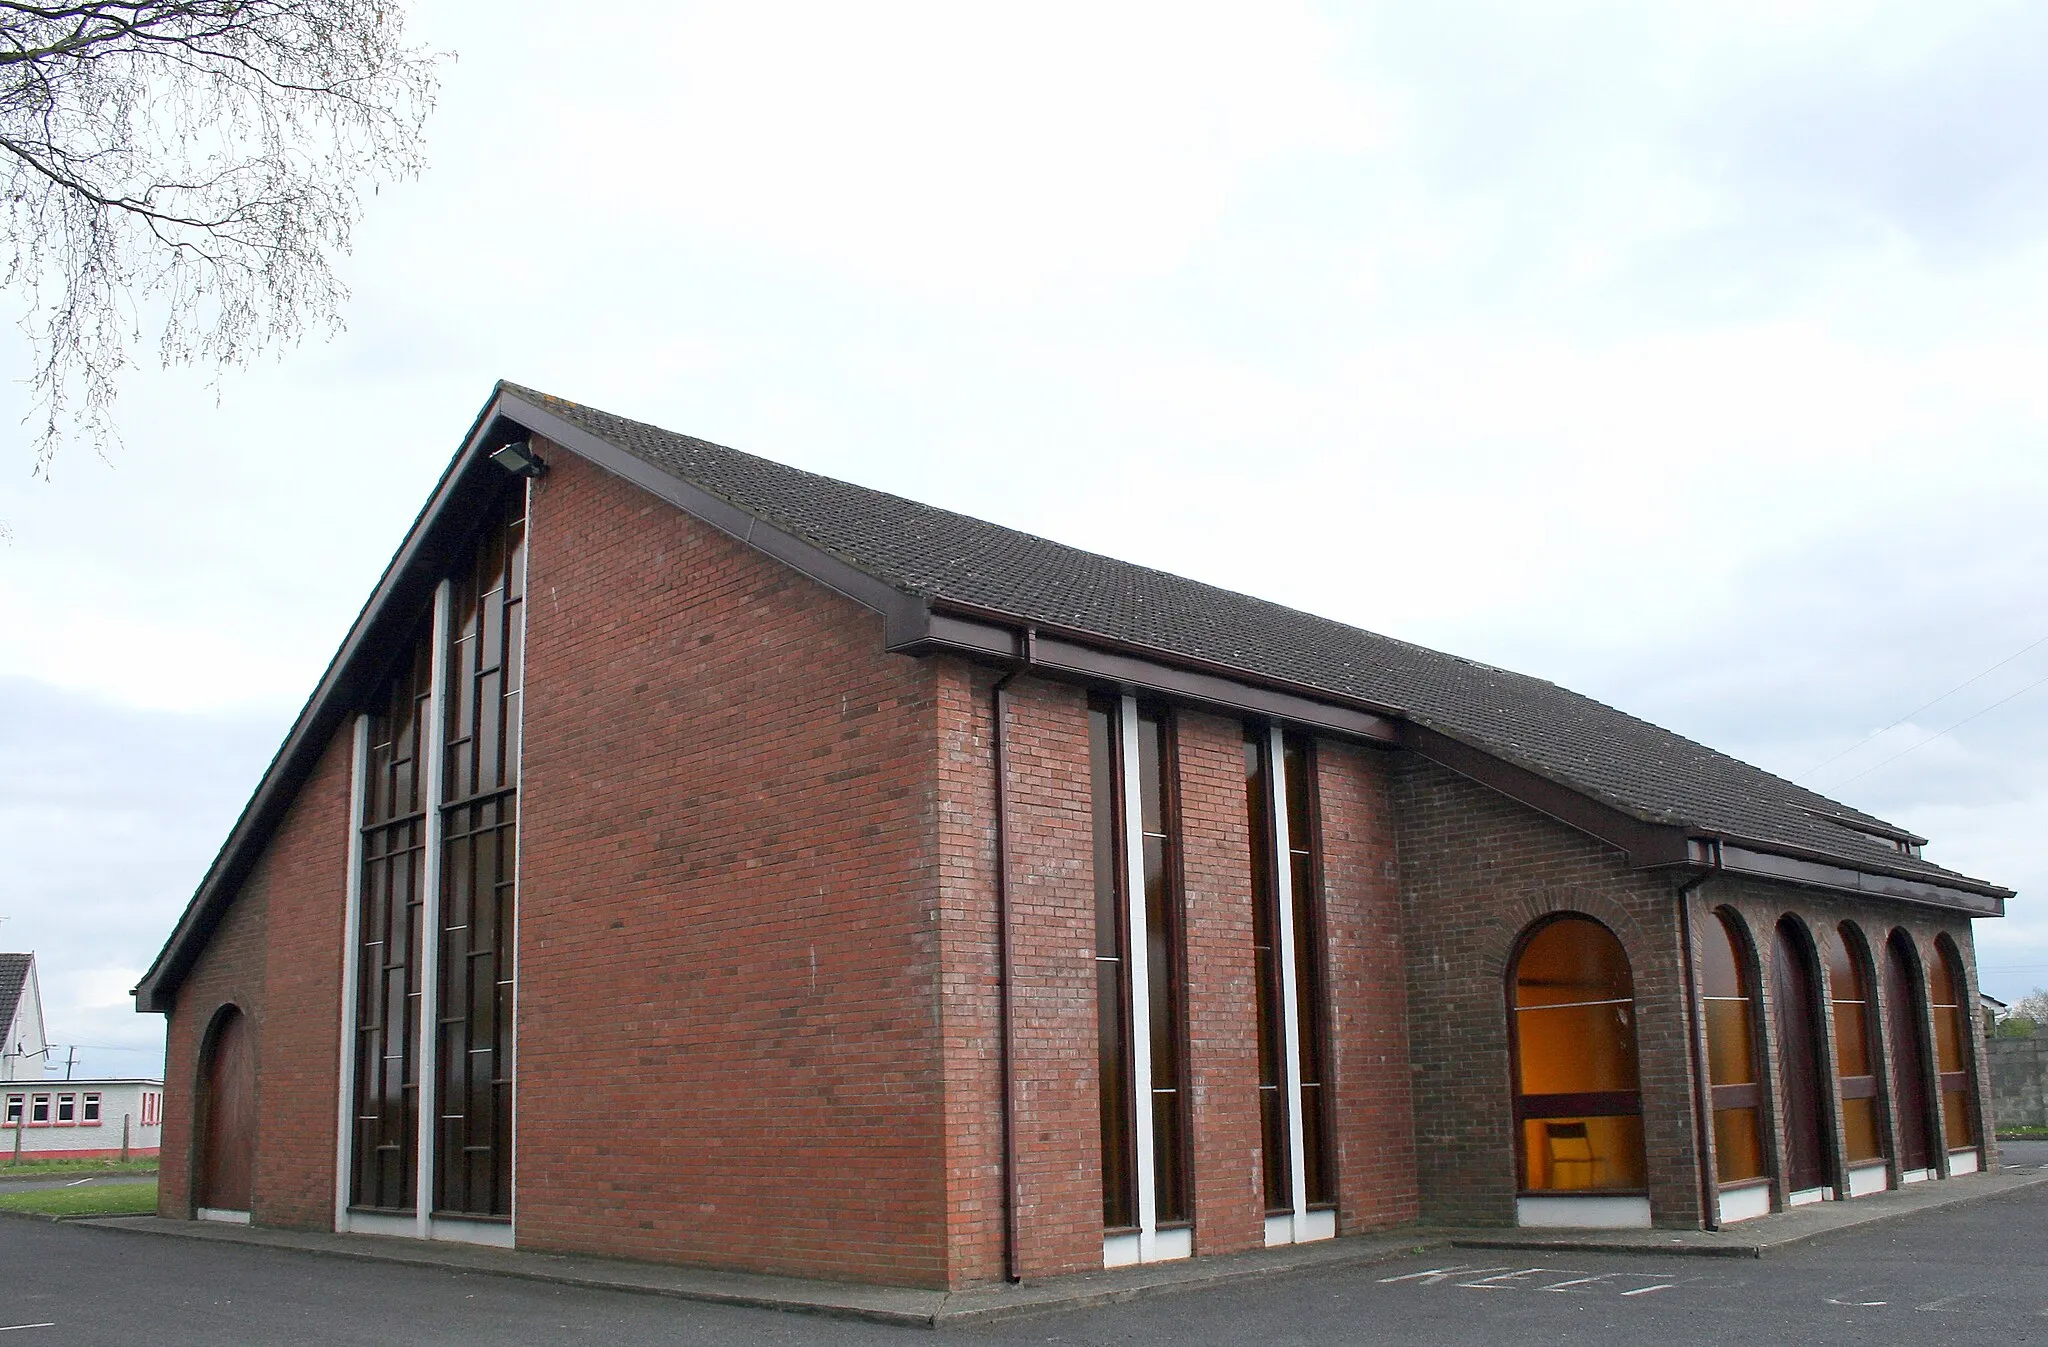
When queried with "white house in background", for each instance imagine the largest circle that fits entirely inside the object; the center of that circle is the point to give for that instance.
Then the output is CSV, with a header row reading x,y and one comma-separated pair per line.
x,y
23,1048
44,1119
81,1119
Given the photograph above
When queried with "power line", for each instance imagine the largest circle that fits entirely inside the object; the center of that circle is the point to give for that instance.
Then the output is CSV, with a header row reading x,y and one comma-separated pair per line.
x,y
1917,710
1939,733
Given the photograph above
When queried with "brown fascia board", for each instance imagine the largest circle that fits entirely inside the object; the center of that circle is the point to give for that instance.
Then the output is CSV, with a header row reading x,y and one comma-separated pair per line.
x,y
401,594
1793,865
1063,652
1654,846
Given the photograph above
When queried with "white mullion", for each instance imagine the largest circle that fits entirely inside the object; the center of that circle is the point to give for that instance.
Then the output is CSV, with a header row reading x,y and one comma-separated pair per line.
x,y
1141,999
1290,1007
351,970
435,734
519,835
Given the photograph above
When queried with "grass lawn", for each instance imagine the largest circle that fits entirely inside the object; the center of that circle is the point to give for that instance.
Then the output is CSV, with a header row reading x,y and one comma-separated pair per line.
x,y
2023,1134
36,1169
99,1199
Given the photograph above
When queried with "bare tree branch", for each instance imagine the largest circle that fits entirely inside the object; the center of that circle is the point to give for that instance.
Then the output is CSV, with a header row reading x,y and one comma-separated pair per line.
x,y
193,166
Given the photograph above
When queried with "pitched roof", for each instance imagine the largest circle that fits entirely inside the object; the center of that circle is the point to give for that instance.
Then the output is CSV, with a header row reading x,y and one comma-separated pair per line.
x,y
911,561
1627,763
13,977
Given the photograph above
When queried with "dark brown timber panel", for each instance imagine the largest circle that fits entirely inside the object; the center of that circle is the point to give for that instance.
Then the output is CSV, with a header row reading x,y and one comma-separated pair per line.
x,y
1909,1055
227,1156
1800,1088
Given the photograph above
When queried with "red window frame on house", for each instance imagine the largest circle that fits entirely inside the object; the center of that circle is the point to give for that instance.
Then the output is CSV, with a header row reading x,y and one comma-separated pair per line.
x,y
67,1110
89,1109
39,1104
17,1110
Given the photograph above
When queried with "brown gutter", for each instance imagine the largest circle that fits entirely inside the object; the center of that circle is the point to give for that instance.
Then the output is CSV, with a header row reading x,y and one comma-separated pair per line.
x,y
1702,1084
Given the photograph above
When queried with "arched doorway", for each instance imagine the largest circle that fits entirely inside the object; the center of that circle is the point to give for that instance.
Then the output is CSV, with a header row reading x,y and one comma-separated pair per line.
x,y
1952,1035
1910,1099
1795,1000
1578,1100
227,1118
1858,1050
1728,1002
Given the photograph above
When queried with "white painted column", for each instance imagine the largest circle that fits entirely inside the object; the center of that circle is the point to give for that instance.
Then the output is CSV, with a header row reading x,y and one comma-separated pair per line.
x,y
1140,980
1290,985
351,970
434,731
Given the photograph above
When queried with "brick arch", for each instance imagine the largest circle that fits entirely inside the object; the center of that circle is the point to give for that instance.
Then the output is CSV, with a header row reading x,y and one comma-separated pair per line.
x,y
1516,916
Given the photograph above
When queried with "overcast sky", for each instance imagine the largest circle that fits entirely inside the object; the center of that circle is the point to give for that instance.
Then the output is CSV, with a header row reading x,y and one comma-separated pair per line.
x,y
1691,357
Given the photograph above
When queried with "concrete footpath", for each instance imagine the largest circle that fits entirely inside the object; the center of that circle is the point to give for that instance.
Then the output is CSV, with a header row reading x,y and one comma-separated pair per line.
x,y
933,1309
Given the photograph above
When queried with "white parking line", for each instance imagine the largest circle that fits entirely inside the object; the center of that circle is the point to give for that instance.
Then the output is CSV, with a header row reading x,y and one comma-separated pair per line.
x,y
75,1182
9,1328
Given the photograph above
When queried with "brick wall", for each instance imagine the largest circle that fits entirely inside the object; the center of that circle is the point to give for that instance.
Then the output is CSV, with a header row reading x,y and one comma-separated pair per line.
x,y
1476,870
729,1024
1222,985
1362,917
1052,931
276,954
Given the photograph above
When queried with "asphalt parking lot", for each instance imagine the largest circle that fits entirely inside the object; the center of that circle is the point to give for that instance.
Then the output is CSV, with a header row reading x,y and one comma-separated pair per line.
x,y
1968,1274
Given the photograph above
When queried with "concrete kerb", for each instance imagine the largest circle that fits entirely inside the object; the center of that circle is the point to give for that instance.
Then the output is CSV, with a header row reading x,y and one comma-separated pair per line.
x,y
890,1305
1767,1234
876,1304
938,1309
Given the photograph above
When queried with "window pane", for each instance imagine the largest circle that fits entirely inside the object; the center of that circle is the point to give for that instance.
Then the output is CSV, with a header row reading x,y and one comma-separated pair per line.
x,y
1859,1130
1582,1154
1738,1145
1575,1049
1731,1054
1852,1038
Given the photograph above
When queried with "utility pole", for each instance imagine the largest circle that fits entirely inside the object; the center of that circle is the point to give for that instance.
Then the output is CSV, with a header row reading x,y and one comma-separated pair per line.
x,y
71,1061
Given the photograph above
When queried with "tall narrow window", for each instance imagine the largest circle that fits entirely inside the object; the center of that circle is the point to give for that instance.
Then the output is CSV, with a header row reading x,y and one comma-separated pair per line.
x,y
1911,1103
1856,1055
1146,1199
1952,1029
1578,1102
435,912
390,935
1730,1008
1287,943
473,1088
1112,974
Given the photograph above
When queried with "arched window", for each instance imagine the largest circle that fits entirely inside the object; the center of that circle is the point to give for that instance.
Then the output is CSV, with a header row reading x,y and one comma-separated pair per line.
x,y
1578,1102
1945,985
1856,1050
1730,1004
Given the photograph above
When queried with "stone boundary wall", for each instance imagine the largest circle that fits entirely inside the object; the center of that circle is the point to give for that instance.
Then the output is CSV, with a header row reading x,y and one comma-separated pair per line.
x,y
2019,1080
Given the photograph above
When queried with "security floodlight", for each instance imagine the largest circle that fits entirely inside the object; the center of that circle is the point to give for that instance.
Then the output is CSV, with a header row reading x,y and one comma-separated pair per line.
x,y
519,459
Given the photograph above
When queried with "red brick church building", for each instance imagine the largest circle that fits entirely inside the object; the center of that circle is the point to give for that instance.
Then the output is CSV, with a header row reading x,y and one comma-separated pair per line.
x,y
691,859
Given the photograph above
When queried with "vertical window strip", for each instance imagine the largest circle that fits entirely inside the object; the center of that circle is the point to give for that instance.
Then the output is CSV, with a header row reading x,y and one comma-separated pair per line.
x,y
472,1162
1112,973
1319,1187
389,928
1277,1159
1138,954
